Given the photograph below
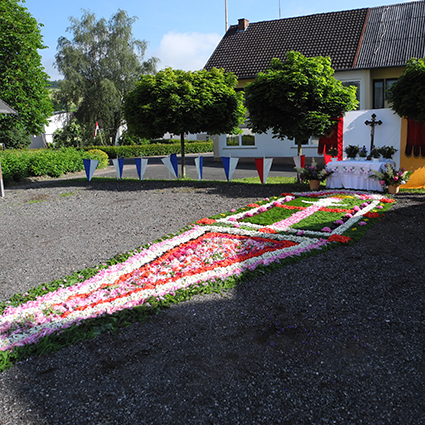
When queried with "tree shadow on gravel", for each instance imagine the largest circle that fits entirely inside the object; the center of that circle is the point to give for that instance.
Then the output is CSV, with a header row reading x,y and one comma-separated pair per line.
x,y
314,342
336,338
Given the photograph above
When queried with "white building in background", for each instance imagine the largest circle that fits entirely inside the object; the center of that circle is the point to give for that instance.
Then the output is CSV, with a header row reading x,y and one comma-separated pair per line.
x,y
58,120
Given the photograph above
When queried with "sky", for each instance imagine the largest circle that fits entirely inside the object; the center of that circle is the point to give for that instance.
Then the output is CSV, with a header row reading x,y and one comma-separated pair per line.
x,y
182,34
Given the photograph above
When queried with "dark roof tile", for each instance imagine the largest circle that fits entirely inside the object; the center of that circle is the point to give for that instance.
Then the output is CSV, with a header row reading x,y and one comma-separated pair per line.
x,y
393,35
333,34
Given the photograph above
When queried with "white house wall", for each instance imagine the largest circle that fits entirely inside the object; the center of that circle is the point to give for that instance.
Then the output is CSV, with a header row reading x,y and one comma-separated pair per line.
x,y
54,122
265,146
356,132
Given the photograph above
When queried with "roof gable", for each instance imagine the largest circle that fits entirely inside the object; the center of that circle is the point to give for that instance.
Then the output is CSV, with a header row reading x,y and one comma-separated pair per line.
x,y
333,34
353,39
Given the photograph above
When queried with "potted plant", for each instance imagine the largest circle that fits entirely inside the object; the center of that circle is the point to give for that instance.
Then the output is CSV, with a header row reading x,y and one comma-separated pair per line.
x,y
351,151
387,152
363,152
390,177
313,173
375,154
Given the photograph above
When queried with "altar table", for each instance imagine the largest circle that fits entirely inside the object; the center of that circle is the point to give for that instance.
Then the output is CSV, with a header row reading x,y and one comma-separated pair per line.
x,y
354,175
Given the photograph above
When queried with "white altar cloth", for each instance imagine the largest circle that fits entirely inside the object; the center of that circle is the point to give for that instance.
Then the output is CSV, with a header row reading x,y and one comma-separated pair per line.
x,y
354,175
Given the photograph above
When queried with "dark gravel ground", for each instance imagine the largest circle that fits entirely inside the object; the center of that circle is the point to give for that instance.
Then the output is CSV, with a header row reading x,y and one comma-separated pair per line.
x,y
335,339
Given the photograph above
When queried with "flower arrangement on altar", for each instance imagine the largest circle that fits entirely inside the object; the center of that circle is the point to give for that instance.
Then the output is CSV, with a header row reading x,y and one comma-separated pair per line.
x,y
387,152
313,171
363,152
389,176
332,152
375,153
351,151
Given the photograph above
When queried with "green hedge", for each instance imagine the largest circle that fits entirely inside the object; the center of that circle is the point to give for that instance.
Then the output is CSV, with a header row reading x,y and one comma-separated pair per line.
x,y
18,164
157,149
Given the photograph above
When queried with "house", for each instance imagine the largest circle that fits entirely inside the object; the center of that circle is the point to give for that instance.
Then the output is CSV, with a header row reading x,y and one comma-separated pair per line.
x,y
56,121
368,49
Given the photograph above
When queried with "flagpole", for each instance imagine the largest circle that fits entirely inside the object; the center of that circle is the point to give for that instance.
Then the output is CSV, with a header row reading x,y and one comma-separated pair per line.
x,y
225,13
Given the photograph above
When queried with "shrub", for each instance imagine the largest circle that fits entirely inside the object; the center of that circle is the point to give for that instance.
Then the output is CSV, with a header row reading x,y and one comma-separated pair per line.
x,y
15,138
101,156
15,164
46,163
154,149
130,140
20,164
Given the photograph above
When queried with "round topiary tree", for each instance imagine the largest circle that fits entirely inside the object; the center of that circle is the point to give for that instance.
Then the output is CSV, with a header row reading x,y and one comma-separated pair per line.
x,y
407,94
297,98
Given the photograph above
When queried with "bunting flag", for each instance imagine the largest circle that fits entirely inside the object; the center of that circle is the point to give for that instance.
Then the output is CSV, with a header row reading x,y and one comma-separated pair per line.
x,y
119,165
199,162
263,167
141,164
299,161
90,165
96,129
229,166
171,163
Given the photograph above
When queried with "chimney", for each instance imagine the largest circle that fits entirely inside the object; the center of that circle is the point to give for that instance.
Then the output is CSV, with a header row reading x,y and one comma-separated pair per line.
x,y
243,24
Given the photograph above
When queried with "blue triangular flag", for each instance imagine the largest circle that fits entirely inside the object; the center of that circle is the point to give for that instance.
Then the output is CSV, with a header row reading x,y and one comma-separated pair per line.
x,y
199,162
229,166
90,165
141,164
119,165
173,158
171,163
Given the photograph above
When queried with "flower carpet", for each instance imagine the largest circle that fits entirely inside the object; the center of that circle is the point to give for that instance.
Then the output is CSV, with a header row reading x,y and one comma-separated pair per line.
x,y
222,248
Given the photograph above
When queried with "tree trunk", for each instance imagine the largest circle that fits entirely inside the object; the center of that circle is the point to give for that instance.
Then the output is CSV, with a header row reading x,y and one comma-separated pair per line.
x,y
300,148
183,167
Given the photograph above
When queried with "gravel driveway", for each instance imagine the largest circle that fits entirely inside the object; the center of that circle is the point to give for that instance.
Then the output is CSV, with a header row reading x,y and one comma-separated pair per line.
x,y
335,339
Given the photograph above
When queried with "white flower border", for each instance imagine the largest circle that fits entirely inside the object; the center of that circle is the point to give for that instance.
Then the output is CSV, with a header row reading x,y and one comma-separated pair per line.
x,y
375,198
109,275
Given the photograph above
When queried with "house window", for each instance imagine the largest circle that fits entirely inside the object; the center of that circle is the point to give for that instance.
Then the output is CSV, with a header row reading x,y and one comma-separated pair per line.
x,y
355,84
380,88
240,140
232,140
311,141
248,140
